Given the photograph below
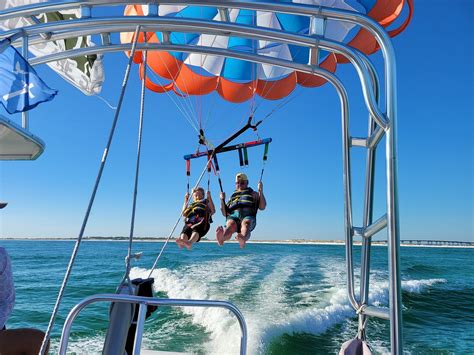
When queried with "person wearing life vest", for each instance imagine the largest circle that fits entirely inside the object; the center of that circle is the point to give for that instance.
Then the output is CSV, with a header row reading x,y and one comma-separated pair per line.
x,y
197,218
240,211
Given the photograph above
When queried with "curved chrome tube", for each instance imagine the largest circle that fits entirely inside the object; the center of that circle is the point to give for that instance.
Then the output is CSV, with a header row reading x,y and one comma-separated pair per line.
x,y
144,302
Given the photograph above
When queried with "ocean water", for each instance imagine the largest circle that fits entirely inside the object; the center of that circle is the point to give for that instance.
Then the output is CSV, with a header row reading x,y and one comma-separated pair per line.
x,y
293,297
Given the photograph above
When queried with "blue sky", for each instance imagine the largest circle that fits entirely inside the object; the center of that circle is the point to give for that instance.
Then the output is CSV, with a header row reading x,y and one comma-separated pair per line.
x,y
303,177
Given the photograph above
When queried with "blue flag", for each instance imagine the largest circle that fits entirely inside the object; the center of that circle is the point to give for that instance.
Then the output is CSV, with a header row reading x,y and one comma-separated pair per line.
x,y
21,89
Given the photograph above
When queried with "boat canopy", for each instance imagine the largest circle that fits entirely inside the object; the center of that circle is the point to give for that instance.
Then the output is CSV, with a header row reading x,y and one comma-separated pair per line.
x,y
17,143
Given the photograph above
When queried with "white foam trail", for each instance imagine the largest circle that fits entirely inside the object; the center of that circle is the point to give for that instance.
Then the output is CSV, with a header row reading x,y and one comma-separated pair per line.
x,y
380,347
266,310
418,286
311,321
379,290
271,305
201,282
91,345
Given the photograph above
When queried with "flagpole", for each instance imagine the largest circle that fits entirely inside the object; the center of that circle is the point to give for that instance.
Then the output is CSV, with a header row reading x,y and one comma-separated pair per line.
x,y
24,114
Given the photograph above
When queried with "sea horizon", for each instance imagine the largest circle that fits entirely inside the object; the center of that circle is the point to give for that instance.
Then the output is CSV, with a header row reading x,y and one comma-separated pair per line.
x,y
428,243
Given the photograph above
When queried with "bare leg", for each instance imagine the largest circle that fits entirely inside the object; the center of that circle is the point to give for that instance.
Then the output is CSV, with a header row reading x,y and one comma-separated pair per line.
x,y
194,238
220,235
244,234
182,241
230,228
21,341
224,234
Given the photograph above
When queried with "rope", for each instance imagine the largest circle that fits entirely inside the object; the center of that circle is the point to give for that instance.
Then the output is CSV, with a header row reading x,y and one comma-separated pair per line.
x,y
128,259
273,83
91,201
176,224
181,108
187,99
361,309
106,102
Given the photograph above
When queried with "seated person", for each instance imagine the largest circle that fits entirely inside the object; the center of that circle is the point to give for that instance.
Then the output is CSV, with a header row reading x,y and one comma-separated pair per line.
x,y
240,211
198,218
7,289
14,341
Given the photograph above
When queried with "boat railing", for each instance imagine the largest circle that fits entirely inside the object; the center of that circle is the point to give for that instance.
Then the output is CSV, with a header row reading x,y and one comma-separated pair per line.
x,y
143,303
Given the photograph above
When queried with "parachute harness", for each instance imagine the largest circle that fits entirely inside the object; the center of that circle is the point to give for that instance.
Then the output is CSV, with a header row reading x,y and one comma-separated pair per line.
x,y
241,148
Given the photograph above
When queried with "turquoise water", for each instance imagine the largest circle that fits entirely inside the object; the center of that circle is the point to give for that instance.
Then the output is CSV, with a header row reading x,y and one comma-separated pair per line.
x,y
292,296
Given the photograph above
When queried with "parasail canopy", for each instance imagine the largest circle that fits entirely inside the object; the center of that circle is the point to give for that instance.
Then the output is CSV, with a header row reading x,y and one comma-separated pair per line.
x,y
237,80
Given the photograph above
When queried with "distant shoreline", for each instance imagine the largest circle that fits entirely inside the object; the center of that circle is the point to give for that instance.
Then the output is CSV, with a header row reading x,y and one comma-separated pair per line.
x,y
282,242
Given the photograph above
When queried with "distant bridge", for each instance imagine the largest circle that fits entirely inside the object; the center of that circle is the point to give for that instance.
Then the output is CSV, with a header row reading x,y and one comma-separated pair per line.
x,y
438,242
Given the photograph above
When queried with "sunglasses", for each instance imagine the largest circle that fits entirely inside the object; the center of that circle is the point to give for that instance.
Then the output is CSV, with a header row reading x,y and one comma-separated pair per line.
x,y
241,182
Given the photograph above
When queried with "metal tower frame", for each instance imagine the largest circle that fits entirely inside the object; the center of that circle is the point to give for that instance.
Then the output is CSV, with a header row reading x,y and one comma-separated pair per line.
x,y
380,123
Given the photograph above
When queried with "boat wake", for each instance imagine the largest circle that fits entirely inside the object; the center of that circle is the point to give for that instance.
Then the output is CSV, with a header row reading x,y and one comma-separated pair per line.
x,y
264,296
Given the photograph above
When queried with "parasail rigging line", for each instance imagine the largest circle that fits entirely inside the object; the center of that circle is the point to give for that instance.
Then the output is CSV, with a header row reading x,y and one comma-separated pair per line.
x,y
287,100
212,154
92,198
180,107
273,82
185,105
185,110
187,98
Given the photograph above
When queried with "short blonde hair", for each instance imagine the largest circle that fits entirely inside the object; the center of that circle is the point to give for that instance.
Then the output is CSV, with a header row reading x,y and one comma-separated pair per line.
x,y
241,176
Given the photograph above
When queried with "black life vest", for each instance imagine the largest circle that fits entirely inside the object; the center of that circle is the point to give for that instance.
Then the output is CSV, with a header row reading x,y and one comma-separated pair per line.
x,y
244,201
196,212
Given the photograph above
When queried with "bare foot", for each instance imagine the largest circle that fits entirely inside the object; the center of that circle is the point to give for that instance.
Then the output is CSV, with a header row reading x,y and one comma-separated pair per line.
x,y
187,244
220,235
241,239
180,243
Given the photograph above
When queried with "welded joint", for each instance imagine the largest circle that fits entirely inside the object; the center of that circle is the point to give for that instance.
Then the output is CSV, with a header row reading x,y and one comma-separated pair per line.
x,y
316,29
86,12
375,137
359,142
376,312
105,38
152,10
358,232
224,14
370,230
376,226
166,37
314,55
383,122
34,20
317,26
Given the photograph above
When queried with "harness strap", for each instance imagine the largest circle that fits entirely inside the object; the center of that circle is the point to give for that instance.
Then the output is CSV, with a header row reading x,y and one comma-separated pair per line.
x,y
241,159
246,157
